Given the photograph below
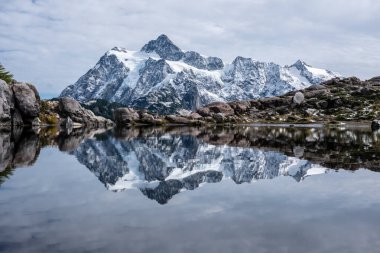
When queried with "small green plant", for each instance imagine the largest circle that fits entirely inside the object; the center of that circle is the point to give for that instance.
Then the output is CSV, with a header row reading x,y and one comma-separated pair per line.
x,y
48,119
5,75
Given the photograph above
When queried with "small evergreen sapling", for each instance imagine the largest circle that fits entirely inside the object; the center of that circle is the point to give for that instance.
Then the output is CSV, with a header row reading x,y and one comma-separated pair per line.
x,y
5,75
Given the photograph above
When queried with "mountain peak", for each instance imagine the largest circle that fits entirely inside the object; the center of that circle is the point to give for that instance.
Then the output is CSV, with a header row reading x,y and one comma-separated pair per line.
x,y
164,47
299,64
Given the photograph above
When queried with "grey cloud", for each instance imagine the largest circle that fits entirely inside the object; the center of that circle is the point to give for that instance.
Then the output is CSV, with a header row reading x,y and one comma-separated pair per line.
x,y
52,43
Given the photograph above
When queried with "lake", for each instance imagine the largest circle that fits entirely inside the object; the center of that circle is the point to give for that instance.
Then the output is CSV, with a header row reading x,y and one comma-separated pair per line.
x,y
256,188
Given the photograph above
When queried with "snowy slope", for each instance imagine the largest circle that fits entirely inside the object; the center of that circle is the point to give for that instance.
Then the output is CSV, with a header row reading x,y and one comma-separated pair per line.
x,y
161,77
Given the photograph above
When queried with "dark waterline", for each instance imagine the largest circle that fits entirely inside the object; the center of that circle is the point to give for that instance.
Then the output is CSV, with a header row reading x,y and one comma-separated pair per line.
x,y
243,189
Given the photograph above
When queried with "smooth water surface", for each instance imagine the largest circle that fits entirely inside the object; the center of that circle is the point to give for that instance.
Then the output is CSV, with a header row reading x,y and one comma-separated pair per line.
x,y
242,189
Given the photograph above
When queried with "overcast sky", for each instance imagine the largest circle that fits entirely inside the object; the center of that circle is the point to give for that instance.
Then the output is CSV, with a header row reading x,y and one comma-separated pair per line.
x,y
51,43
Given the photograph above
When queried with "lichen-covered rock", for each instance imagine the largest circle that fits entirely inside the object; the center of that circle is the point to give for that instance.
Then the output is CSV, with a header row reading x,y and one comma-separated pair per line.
x,y
27,100
6,103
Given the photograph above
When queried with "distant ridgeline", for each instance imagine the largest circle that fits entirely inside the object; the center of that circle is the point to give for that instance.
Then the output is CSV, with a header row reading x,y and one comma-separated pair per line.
x,y
164,79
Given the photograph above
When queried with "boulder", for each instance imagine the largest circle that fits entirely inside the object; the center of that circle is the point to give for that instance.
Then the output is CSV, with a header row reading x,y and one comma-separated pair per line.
x,y
298,98
6,103
27,100
204,112
220,107
195,116
240,107
69,107
125,116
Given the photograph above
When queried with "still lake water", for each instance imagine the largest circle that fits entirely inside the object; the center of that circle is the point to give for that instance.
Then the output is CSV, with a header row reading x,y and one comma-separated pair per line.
x,y
242,189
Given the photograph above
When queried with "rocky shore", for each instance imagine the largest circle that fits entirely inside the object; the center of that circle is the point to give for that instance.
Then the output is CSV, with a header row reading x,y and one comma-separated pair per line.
x,y
337,100
21,105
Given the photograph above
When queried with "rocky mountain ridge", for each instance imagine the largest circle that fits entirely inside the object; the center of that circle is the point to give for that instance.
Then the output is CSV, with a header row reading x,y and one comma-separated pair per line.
x,y
164,79
336,100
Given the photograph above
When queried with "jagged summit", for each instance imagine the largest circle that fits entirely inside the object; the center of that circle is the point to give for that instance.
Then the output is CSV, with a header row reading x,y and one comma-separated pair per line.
x,y
162,78
300,64
164,47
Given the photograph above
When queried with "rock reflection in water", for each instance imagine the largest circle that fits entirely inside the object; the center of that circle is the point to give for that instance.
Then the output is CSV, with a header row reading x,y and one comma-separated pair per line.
x,y
162,162
21,147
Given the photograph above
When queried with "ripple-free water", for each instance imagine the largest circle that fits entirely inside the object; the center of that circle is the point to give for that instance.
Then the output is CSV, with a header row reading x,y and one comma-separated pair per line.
x,y
243,189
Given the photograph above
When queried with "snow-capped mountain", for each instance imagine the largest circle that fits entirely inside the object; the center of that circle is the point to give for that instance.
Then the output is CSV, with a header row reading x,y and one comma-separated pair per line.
x,y
162,165
163,78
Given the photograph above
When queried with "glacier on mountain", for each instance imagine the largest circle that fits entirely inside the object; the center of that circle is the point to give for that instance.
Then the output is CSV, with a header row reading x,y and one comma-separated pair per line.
x,y
163,78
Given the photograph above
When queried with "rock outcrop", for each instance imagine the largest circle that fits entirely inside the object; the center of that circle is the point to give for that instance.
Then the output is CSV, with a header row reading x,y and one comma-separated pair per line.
x,y
20,105
70,108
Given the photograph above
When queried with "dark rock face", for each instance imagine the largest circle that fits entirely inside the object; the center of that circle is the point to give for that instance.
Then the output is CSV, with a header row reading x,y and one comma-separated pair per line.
x,y
164,47
195,59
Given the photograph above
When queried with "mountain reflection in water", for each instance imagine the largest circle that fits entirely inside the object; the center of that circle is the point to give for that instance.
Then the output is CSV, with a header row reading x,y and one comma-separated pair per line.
x,y
162,162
